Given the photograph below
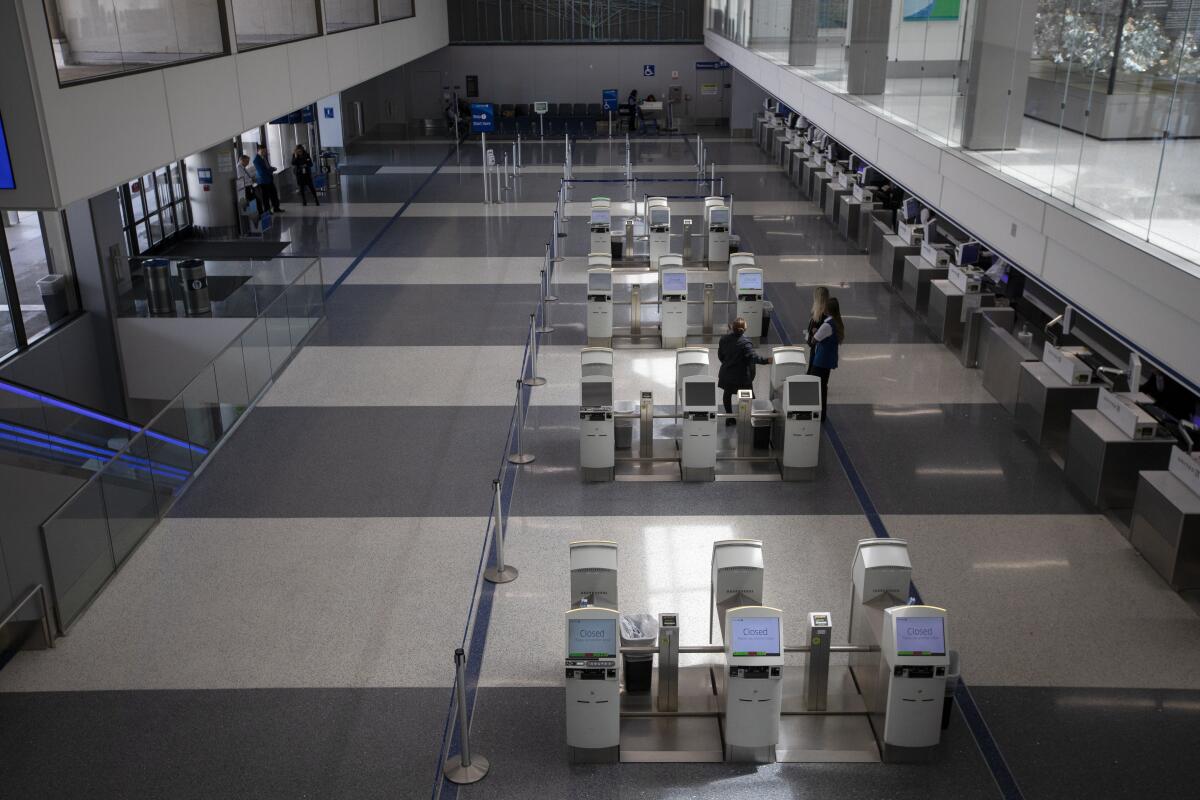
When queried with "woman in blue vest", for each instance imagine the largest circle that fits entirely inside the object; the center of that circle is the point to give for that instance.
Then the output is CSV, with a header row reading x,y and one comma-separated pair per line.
x,y
824,347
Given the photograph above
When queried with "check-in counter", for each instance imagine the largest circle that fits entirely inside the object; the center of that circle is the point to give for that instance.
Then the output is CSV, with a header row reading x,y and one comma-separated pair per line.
x,y
889,260
807,170
1000,357
1045,402
948,309
850,216
1103,461
820,183
975,324
879,227
1165,527
833,201
918,273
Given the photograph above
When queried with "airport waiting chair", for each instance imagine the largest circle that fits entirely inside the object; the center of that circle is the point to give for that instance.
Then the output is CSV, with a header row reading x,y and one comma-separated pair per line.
x,y
579,111
522,109
508,110
595,111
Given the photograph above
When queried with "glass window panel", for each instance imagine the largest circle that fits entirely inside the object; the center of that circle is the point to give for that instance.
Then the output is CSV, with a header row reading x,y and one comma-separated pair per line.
x,y
143,238
396,9
8,337
342,15
49,303
177,188
258,23
163,178
149,195
137,201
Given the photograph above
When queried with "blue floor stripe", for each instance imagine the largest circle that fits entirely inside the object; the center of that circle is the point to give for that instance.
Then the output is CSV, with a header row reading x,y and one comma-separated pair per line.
x,y
988,747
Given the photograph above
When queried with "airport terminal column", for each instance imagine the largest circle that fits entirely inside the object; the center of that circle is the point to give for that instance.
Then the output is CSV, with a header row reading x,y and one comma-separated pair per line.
x,y
866,55
212,193
1002,45
802,49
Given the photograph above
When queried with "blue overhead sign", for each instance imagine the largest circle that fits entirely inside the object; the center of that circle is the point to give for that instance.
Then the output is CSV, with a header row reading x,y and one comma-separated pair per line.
x,y
483,118
6,172
608,99
712,65
647,70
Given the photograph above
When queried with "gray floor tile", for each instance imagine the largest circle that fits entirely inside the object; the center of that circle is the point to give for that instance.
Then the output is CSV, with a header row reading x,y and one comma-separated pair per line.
x,y
465,236
872,312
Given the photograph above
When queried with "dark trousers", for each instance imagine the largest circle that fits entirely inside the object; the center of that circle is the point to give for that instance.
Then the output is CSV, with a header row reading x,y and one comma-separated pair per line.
x,y
270,196
823,374
252,195
307,183
729,395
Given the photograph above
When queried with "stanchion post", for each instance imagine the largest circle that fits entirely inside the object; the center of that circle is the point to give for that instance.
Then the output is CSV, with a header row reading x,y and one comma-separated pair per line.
x,y
483,153
516,456
533,379
501,571
543,289
464,768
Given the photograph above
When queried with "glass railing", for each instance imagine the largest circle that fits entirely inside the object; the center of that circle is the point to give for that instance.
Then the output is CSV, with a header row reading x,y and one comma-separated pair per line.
x,y
145,469
1108,119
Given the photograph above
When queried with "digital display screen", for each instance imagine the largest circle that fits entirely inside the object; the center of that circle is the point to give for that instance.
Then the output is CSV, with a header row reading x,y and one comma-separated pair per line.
x,y
720,216
601,217
597,394
674,282
6,172
660,216
750,280
754,636
700,393
599,282
592,638
920,636
804,393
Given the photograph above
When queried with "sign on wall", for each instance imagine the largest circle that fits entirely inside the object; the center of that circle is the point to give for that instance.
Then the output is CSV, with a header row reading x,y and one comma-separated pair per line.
x,y
919,10
483,118
712,65
6,171
647,70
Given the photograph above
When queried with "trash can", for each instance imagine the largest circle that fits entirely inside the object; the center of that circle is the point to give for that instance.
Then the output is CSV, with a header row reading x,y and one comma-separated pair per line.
x,y
768,310
53,289
156,272
193,280
617,248
638,630
952,675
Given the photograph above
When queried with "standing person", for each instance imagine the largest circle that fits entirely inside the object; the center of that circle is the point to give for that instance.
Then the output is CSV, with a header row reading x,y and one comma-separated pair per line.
x,y
265,174
246,181
738,360
302,163
817,316
635,111
828,337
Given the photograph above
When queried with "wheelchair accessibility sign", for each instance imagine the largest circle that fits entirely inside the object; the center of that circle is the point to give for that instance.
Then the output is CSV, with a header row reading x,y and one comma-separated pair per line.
x,y
647,70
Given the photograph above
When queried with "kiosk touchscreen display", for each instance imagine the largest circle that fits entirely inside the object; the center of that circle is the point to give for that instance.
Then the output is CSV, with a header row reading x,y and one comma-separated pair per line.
x,y
597,394
719,216
700,394
660,216
920,636
754,636
600,282
804,393
674,282
750,281
601,217
592,638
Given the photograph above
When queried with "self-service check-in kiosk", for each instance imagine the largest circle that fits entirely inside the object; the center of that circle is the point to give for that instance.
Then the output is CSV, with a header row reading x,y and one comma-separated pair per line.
x,y
754,682
689,361
593,685
786,361
912,681
698,445
673,305
658,221
736,262
801,427
736,580
600,225
717,225
750,300
597,434
593,574
600,306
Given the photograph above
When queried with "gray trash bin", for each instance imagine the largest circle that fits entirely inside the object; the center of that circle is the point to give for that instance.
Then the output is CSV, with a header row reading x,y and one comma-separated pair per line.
x,y
638,630
157,274
952,675
193,280
53,289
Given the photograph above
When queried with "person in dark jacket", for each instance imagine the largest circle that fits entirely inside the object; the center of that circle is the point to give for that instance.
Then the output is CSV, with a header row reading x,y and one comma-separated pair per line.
x,y
266,180
302,164
738,360
824,348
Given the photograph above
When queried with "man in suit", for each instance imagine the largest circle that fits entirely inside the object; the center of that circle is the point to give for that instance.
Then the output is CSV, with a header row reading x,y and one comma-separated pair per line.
x,y
738,360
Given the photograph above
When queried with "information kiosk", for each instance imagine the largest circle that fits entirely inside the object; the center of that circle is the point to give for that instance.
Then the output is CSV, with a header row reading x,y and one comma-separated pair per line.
x,y
600,225
698,448
736,580
593,685
786,361
593,574
597,436
717,225
689,361
912,674
801,428
673,295
736,262
754,683
750,300
658,221
600,306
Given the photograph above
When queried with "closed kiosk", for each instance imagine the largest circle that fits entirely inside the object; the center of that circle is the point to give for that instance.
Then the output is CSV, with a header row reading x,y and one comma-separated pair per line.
x,y
912,672
736,578
717,218
597,436
593,688
750,300
673,295
593,574
736,262
658,221
689,361
600,306
698,447
754,682
801,427
600,226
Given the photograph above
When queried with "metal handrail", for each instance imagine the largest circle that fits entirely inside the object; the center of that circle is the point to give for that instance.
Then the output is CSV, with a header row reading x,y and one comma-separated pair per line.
x,y
44,602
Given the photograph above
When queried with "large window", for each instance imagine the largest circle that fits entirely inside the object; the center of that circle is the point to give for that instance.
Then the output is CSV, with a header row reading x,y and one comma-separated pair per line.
x,y
396,9
154,208
482,21
97,38
257,23
342,15
37,285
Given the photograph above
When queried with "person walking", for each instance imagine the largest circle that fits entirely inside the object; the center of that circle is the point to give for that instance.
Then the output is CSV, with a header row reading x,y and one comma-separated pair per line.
x,y
265,174
828,336
302,164
738,360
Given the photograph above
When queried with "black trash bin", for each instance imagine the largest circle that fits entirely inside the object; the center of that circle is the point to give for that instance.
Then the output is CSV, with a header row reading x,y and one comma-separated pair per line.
x,y
638,630
53,289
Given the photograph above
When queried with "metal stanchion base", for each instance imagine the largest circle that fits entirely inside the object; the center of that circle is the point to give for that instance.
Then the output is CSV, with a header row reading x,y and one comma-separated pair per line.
x,y
534,381
521,458
476,771
506,574
545,329
551,298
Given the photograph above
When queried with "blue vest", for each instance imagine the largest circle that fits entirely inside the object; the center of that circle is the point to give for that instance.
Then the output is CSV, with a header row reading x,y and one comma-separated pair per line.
x,y
825,352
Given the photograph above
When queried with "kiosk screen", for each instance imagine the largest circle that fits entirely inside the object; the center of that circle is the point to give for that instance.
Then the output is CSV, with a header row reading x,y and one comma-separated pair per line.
x,y
674,282
700,394
750,281
719,216
920,636
597,394
592,638
804,393
660,216
600,282
754,636
601,217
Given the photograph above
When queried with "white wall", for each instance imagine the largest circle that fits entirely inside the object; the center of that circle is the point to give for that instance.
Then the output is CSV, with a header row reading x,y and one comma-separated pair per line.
x,y
101,134
936,40
1144,294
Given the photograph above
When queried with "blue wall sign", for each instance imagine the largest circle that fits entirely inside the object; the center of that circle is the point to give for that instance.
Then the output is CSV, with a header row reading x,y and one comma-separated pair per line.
x,y
204,176
647,70
712,65
483,118
328,112
6,172
608,99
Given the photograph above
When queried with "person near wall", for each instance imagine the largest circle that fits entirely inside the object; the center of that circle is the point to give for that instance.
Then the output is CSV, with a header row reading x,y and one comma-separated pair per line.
x,y
828,336
302,166
635,111
817,315
247,183
265,174
738,361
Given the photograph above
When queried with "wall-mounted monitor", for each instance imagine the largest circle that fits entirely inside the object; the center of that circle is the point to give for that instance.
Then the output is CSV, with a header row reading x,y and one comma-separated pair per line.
x,y
701,394
674,282
748,280
753,636
597,394
920,636
804,393
6,170
592,638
